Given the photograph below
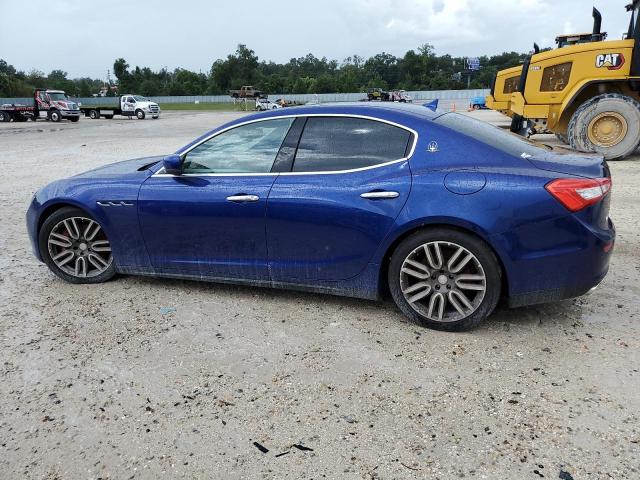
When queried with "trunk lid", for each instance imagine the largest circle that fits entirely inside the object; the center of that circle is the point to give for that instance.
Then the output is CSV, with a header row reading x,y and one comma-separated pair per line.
x,y
568,162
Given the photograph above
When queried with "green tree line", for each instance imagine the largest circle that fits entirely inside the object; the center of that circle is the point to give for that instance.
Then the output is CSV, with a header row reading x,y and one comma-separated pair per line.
x,y
420,69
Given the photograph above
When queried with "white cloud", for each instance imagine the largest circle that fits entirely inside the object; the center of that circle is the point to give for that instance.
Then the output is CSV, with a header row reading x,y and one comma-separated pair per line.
x,y
193,33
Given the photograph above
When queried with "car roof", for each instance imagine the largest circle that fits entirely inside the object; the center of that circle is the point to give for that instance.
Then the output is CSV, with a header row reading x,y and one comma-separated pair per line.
x,y
374,109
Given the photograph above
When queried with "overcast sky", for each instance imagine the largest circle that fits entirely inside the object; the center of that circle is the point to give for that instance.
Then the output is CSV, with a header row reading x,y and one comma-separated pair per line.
x,y
83,37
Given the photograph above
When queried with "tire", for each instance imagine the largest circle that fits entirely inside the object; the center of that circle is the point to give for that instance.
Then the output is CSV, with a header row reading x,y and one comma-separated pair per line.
x,y
5,117
94,114
140,114
483,264
108,117
562,137
78,248
476,107
620,111
155,117
54,116
74,119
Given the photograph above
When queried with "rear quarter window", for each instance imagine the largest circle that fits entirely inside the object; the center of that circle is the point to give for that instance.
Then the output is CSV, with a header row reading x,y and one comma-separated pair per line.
x,y
491,135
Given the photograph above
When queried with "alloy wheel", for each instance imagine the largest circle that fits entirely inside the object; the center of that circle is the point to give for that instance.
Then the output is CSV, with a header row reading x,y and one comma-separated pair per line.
x,y
79,247
443,281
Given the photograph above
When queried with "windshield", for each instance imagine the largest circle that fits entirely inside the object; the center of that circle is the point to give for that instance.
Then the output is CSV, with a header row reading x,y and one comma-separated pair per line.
x,y
140,98
57,96
494,136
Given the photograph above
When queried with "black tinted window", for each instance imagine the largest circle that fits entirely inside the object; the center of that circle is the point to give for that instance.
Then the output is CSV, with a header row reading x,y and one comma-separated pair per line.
x,y
342,143
491,135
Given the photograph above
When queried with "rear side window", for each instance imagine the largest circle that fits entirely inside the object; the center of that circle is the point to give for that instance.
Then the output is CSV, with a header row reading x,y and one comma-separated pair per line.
x,y
493,136
344,143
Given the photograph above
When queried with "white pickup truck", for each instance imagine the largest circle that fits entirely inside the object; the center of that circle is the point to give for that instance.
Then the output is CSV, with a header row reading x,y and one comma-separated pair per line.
x,y
127,105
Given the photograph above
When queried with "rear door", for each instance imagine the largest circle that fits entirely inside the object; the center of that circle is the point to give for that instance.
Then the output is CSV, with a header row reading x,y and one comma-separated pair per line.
x,y
349,180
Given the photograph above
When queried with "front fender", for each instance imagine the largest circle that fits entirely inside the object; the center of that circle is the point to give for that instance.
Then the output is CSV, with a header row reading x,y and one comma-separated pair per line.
x,y
112,204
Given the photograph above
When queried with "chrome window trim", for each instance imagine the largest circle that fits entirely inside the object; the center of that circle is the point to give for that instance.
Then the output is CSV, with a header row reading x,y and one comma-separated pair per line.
x,y
160,173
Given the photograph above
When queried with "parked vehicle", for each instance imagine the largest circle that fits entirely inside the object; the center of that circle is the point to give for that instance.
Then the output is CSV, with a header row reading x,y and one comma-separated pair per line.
x,y
478,103
377,94
246,92
263,104
480,214
125,105
400,96
383,96
52,105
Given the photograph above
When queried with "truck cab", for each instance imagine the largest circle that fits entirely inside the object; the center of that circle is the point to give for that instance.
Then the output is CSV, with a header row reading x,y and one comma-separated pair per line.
x,y
55,105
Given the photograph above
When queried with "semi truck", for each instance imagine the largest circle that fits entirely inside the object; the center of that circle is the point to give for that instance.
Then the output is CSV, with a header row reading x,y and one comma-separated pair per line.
x,y
47,104
125,105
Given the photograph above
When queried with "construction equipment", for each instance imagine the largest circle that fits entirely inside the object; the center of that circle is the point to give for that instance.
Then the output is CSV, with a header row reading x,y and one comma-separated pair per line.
x,y
586,91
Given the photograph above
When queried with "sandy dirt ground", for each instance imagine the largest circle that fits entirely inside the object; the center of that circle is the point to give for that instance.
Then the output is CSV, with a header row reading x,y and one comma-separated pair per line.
x,y
150,378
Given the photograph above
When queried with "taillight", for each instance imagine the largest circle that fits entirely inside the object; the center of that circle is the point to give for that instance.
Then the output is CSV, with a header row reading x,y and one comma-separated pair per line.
x,y
578,193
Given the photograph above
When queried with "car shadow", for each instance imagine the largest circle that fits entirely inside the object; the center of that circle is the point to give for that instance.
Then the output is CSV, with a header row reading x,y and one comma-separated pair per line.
x,y
564,313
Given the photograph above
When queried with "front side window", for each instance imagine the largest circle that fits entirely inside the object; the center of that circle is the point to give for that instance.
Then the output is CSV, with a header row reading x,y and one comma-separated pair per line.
x,y
250,148
344,143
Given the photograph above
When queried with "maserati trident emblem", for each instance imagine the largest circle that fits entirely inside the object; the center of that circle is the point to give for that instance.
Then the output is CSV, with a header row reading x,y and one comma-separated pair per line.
x,y
433,147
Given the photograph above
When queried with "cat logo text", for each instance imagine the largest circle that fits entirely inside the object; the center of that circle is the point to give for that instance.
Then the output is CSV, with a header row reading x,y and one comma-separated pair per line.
x,y
611,61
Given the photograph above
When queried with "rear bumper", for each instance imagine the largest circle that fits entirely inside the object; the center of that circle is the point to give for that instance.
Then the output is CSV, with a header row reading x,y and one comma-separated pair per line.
x,y
494,104
555,260
547,296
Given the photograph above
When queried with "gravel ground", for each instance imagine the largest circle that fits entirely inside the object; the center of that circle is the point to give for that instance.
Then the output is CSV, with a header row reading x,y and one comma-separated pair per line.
x,y
151,378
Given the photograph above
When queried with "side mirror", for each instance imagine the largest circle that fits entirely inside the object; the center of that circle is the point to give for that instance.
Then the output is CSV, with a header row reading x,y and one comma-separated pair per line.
x,y
172,164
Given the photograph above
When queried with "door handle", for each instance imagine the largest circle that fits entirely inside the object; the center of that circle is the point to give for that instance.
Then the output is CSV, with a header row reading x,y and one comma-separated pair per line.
x,y
380,195
243,198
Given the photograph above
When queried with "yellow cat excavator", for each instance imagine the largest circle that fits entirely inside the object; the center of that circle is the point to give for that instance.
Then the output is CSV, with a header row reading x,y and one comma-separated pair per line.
x,y
587,91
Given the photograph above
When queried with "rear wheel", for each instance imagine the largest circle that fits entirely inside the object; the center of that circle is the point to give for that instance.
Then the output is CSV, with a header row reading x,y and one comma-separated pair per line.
x,y
140,114
608,124
444,279
75,247
94,114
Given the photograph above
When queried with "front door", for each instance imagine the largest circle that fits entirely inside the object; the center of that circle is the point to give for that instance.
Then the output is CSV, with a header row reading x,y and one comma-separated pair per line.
x,y
349,181
209,222
128,105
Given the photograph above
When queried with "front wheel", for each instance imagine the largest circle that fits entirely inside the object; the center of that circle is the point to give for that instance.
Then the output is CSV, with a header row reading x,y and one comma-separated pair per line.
x,y
75,247
5,117
54,116
444,279
140,114
608,124
74,119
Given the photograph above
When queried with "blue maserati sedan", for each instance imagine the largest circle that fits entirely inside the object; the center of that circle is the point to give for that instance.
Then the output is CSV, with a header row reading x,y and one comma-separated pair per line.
x,y
445,213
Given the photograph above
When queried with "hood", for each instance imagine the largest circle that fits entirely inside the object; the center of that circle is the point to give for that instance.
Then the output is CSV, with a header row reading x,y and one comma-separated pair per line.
x,y
124,168
569,162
